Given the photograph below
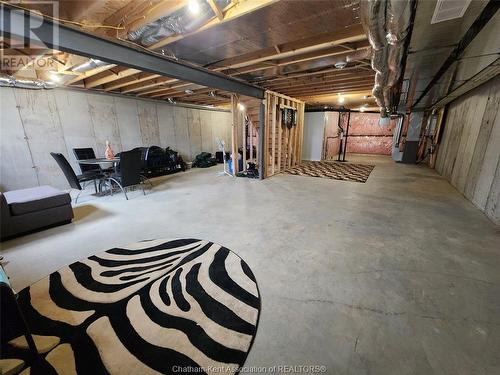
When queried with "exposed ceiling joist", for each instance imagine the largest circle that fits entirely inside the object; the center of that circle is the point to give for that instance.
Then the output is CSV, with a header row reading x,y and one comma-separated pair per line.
x,y
337,52
153,81
331,88
319,42
160,92
309,74
338,74
330,96
109,76
354,79
91,73
204,91
138,87
333,51
140,77
216,9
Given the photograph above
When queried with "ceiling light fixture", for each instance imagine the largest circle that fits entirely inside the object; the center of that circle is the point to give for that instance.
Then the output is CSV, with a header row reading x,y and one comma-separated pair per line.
x,y
241,107
341,99
188,91
54,77
194,7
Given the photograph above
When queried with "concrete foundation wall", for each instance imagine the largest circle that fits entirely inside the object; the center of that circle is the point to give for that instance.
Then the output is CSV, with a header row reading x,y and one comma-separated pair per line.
x,y
34,123
469,152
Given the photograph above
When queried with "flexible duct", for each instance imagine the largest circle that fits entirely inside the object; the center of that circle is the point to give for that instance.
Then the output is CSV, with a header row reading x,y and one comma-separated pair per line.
x,y
372,16
360,54
89,65
37,84
387,25
177,23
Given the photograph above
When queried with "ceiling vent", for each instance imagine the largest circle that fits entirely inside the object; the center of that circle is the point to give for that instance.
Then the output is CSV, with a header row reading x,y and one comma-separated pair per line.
x,y
449,9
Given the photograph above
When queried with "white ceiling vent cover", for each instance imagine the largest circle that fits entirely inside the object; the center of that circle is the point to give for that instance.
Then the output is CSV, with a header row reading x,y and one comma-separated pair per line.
x,y
449,10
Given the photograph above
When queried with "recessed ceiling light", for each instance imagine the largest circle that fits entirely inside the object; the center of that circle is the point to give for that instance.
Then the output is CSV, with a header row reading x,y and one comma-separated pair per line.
x,y
241,107
194,7
341,99
188,91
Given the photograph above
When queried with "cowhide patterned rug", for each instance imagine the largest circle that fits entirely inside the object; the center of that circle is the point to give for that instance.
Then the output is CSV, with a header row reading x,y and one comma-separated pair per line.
x,y
153,307
333,170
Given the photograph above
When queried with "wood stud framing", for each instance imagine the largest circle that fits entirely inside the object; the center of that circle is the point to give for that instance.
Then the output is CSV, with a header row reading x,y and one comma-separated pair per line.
x,y
282,146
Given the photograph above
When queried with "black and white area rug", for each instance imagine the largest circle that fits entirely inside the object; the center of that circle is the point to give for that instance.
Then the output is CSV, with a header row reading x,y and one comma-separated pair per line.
x,y
333,170
159,306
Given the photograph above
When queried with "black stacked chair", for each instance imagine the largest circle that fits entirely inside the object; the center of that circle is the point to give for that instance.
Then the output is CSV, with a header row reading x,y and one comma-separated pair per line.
x,y
144,167
88,153
74,180
129,173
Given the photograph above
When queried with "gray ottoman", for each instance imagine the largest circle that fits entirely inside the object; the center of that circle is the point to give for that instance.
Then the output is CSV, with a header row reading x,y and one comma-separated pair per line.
x,y
27,210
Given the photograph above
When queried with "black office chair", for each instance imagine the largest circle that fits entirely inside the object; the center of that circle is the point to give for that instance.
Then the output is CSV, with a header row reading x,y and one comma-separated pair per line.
x,y
88,153
74,180
129,173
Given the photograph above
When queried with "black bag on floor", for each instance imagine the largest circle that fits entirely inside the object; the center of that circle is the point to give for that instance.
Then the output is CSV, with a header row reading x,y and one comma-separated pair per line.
x,y
204,160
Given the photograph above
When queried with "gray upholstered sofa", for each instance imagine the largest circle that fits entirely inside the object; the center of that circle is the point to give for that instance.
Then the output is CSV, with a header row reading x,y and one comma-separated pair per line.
x,y
27,210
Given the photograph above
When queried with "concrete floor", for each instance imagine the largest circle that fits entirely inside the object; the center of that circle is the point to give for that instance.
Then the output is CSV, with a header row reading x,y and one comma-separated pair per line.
x,y
400,275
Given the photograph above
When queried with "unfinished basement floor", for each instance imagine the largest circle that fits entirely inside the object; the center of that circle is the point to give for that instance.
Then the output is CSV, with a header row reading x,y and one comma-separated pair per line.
x,y
399,275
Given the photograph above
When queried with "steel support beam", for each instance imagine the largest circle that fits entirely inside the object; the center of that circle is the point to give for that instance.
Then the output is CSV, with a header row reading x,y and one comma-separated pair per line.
x,y
13,23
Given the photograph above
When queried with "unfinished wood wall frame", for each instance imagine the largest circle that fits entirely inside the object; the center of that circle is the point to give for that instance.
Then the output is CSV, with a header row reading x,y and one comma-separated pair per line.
x,y
283,146
241,134
244,130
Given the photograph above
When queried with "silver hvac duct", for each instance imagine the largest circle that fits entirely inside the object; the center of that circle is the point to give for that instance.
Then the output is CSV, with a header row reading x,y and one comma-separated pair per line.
x,y
178,23
360,54
89,65
37,84
387,25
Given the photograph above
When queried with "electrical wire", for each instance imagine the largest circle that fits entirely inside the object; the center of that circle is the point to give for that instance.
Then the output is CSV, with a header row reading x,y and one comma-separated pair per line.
x,y
84,25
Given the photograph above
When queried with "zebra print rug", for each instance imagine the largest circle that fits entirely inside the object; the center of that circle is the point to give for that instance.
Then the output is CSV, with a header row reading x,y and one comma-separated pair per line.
x,y
179,306
333,170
